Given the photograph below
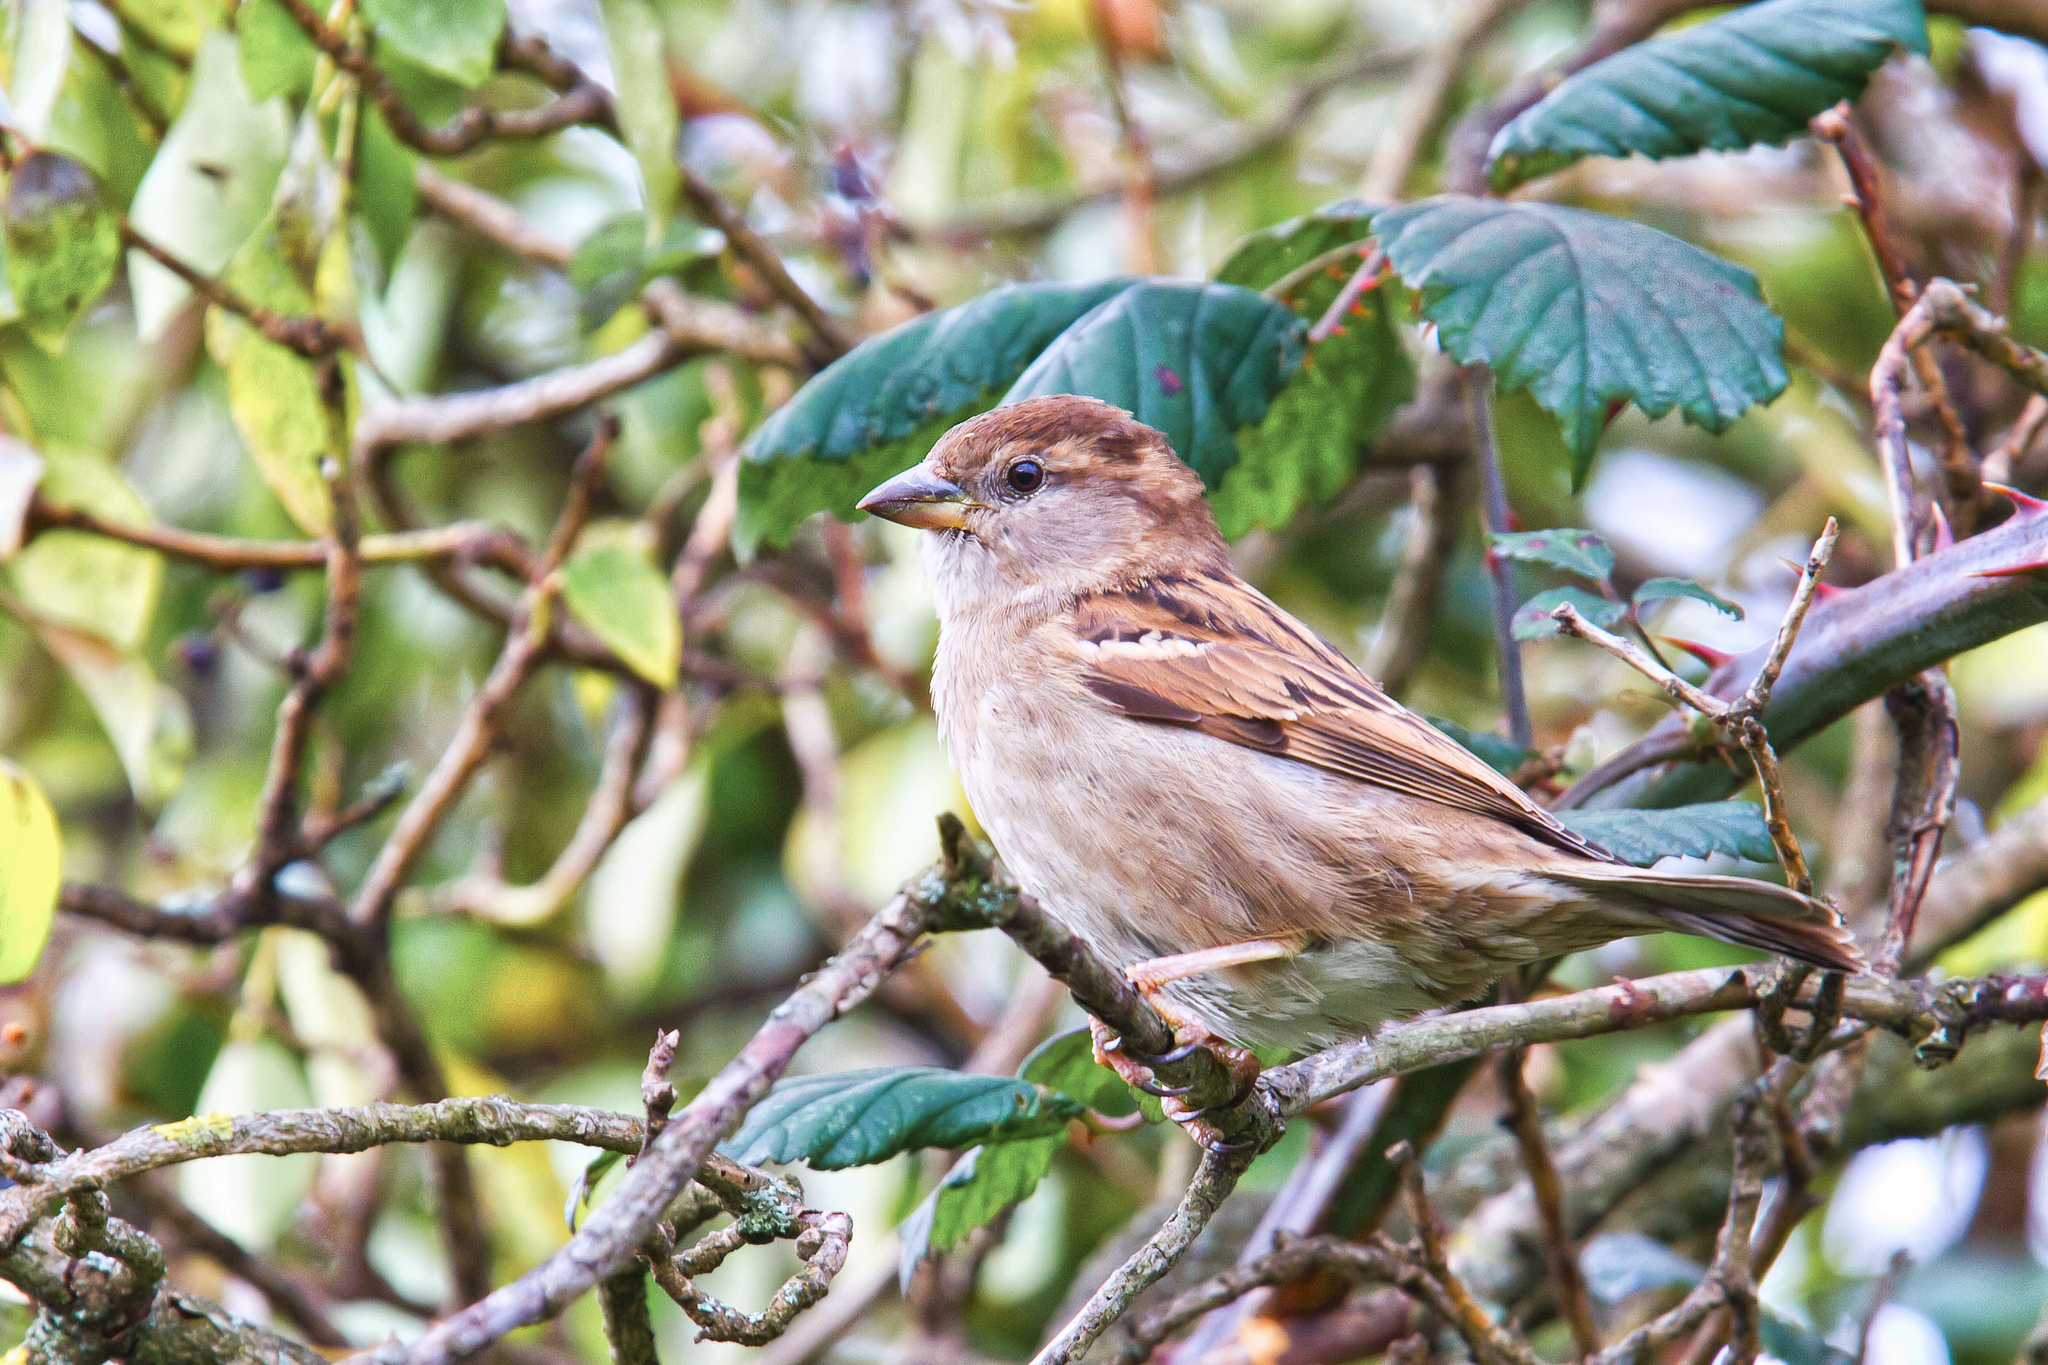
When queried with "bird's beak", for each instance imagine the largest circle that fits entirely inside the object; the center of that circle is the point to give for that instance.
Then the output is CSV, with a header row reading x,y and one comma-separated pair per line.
x,y
917,497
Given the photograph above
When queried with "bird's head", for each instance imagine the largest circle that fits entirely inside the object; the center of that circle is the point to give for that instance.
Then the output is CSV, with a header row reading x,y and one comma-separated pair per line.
x,y
1061,494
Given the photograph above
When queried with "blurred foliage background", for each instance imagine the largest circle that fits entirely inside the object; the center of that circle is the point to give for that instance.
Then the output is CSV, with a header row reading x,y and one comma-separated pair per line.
x,y
898,157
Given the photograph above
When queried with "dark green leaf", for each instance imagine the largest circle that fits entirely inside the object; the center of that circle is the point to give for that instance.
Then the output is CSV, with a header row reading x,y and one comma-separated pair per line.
x,y
1066,1063
63,242
981,1185
1309,444
277,56
1663,589
455,38
1198,362
855,1118
1641,837
1620,1265
1500,754
1752,76
386,194
877,409
1581,552
1588,311
1532,621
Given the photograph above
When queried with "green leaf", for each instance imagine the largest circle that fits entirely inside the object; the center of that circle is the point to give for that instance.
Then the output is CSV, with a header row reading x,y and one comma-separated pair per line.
x,y
1500,754
1752,76
277,56
1587,311
1532,620
981,1185
1581,552
615,262
625,601
84,581
1066,1063
877,409
273,391
856,1118
31,853
148,723
646,103
1199,362
1664,589
1641,837
63,243
386,194
453,38
42,51
210,184
1309,445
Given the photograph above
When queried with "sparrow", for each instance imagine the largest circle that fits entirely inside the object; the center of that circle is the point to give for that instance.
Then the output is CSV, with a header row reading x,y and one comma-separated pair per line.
x,y
1277,853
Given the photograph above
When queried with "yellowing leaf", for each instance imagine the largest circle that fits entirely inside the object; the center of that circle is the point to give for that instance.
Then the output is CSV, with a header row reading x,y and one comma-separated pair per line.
x,y
85,581
625,602
30,851
63,243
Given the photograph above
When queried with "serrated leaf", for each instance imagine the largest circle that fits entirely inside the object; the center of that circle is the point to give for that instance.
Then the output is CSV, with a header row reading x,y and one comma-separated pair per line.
x,y
210,184
1587,311
1641,837
981,1185
277,56
1531,620
877,409
1584,553
274,392
1753,76
453,38
625,602
1199,362
1664,589
1310,443
81,580
31,854
1066,1063
63,243
1500,754
856,1118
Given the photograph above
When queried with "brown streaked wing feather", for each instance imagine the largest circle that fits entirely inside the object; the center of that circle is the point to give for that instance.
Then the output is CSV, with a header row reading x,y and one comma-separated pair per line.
x,y
1216,655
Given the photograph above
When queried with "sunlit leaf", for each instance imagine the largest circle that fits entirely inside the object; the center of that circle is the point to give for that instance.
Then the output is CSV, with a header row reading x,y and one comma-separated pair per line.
x,y
1309,444
1532,619
1583,553
277,56
210,184
645,101
21,472
1754,75
85,581
981,1185
63,243
636,893
625,601
1665,589
1642,837
42,51
1588,311
1199,362
855,1118
30,856
252,1198
877,409
149,723
453,38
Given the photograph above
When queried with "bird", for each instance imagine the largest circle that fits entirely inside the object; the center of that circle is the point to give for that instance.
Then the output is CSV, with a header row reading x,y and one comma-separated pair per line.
x,y
1274,851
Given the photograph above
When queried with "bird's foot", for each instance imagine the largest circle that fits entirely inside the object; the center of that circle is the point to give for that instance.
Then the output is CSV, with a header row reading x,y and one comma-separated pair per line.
x,y
1137,1072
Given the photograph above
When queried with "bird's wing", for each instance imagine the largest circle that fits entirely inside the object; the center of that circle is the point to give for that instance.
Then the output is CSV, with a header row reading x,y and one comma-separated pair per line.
x,y
1215,655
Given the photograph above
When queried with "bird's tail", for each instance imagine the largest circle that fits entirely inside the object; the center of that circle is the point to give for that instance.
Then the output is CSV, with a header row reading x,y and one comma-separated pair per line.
x,y
1737,910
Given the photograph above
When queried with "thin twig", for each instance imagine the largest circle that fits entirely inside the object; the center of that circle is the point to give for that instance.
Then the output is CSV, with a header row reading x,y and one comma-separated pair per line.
x,y
1436,504
489,217
1133,147
1559,1250
719,212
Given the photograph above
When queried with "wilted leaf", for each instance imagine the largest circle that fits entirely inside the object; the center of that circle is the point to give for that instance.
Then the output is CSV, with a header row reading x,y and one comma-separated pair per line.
x,y
1581,552
1532,619
273,391
63,243
277,56
1066,1063
1755,75
1641,837
1588,311
981,1185
453,38
1664,589
86,581
1308,446
625,601
855,1118
1500,754
1199,362
31,854
149,723
210,184
878,408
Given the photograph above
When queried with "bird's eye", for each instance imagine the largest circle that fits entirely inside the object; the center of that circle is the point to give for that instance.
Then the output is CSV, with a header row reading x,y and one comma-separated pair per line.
x,y
1025,476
